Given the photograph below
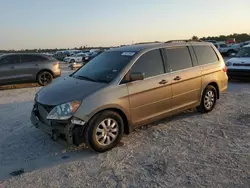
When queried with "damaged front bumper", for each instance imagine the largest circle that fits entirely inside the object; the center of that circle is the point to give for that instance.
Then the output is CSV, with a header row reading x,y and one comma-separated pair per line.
x,y
71,132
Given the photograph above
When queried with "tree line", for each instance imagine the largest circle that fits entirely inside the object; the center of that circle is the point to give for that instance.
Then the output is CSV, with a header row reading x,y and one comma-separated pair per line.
x,y
238,37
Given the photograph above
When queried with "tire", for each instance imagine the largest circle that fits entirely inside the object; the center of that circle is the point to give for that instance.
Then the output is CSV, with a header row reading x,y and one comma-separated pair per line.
x,y
208,100
230,52
95,129
72,61
44,78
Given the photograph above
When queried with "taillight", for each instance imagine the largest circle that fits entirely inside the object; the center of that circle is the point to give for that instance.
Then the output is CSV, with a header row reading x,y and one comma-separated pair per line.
x,y
56,64
224,68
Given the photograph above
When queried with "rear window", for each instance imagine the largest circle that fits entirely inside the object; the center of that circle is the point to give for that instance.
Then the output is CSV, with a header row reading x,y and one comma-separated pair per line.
x,y
205,54
32,58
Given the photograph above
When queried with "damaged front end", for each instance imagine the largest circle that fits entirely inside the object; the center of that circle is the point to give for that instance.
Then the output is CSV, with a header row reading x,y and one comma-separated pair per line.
x,y
59,122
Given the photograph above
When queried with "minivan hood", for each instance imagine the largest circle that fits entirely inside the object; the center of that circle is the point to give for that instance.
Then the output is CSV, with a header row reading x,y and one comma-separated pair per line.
x,y
246,60
67,89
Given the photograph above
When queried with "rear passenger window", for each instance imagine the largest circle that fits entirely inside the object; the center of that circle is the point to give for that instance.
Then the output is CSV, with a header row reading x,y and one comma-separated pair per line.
x,y
205,54
150,64
32,58
178,58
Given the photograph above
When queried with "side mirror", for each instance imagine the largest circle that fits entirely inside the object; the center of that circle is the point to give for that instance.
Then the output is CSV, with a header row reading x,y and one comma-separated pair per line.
x,y
136,76
233,54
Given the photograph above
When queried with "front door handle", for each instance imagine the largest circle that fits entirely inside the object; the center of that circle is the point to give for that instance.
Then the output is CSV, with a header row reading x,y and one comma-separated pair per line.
x,y
177,78
163,82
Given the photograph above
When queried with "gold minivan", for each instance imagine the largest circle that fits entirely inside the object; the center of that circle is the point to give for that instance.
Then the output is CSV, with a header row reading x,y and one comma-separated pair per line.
x,y
127,87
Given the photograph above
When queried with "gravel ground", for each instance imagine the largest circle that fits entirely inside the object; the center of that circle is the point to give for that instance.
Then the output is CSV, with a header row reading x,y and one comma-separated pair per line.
x,y
187,150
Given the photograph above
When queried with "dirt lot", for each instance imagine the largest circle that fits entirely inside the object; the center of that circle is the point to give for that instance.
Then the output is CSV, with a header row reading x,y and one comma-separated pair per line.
x,y
187,150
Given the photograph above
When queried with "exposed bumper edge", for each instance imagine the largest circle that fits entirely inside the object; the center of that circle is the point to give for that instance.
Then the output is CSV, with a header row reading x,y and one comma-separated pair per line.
x,y
53,131
38,124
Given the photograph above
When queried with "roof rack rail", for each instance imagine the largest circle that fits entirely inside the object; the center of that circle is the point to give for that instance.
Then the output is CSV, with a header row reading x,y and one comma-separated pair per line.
x,y
190,40
147,42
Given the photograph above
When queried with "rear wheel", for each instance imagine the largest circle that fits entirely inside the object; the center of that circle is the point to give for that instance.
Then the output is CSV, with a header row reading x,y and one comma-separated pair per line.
x,y
208,100
44,78
230,52
104,131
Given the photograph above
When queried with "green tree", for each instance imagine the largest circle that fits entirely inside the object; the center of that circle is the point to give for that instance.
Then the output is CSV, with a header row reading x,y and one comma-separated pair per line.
x,y
195,38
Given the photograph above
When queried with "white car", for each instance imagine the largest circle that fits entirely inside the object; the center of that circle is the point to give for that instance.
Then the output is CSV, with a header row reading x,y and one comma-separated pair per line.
x,y
75,58
239,66
223,48
227,50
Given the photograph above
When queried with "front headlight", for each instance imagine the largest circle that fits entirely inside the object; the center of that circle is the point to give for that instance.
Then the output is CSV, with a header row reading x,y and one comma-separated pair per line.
x,y
229,64
64,111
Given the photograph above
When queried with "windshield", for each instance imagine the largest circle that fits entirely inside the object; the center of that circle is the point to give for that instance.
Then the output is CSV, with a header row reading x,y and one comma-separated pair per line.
x,y
244,52
105,67
79,55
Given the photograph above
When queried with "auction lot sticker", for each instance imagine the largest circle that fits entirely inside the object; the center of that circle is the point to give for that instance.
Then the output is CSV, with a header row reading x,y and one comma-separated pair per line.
x,y
128,53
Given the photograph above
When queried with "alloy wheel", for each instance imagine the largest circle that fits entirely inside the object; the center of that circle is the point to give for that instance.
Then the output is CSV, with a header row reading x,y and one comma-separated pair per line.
x,y
107,131
209,99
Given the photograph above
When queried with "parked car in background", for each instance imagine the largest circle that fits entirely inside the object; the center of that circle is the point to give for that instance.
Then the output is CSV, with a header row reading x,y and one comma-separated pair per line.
x,y
238,67
85,60
91,56
59,55
128,87
71,52
245,43
26,67
230,41
223,48
212,41
75,58
227,50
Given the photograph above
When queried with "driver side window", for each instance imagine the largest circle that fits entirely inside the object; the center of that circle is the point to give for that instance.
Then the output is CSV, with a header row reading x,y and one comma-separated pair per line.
x,y
150,64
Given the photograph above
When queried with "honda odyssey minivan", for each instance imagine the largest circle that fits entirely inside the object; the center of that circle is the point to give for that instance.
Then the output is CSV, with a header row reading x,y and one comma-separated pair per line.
x,y
127,87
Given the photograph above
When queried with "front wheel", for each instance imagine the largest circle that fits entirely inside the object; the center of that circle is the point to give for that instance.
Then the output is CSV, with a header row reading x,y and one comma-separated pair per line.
x,y
208,100
104,131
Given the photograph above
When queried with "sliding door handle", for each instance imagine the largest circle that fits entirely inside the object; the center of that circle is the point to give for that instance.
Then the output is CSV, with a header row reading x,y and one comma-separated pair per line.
x,y
177,78
163,82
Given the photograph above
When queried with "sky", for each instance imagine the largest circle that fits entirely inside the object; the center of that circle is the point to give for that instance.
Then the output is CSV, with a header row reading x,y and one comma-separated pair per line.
x,y
29,24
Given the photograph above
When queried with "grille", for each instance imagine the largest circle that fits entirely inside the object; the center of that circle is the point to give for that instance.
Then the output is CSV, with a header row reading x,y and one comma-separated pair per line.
x,y
48,108
241,65
43,111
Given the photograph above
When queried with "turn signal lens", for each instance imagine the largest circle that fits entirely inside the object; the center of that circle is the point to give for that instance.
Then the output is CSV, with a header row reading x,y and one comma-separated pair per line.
x,y
75,105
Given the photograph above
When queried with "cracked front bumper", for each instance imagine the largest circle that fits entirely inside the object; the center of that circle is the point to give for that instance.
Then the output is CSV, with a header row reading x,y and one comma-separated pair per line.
x,y
53,129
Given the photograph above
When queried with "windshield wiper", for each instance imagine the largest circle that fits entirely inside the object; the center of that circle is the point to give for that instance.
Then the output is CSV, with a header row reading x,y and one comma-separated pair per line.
x,y
85,78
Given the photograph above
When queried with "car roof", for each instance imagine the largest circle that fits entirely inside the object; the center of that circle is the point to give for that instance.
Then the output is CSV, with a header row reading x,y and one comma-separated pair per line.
x,y
145,46
41,54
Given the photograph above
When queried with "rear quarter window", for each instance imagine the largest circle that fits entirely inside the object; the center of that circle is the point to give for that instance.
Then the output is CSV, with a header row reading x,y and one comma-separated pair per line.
x,y
205,54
